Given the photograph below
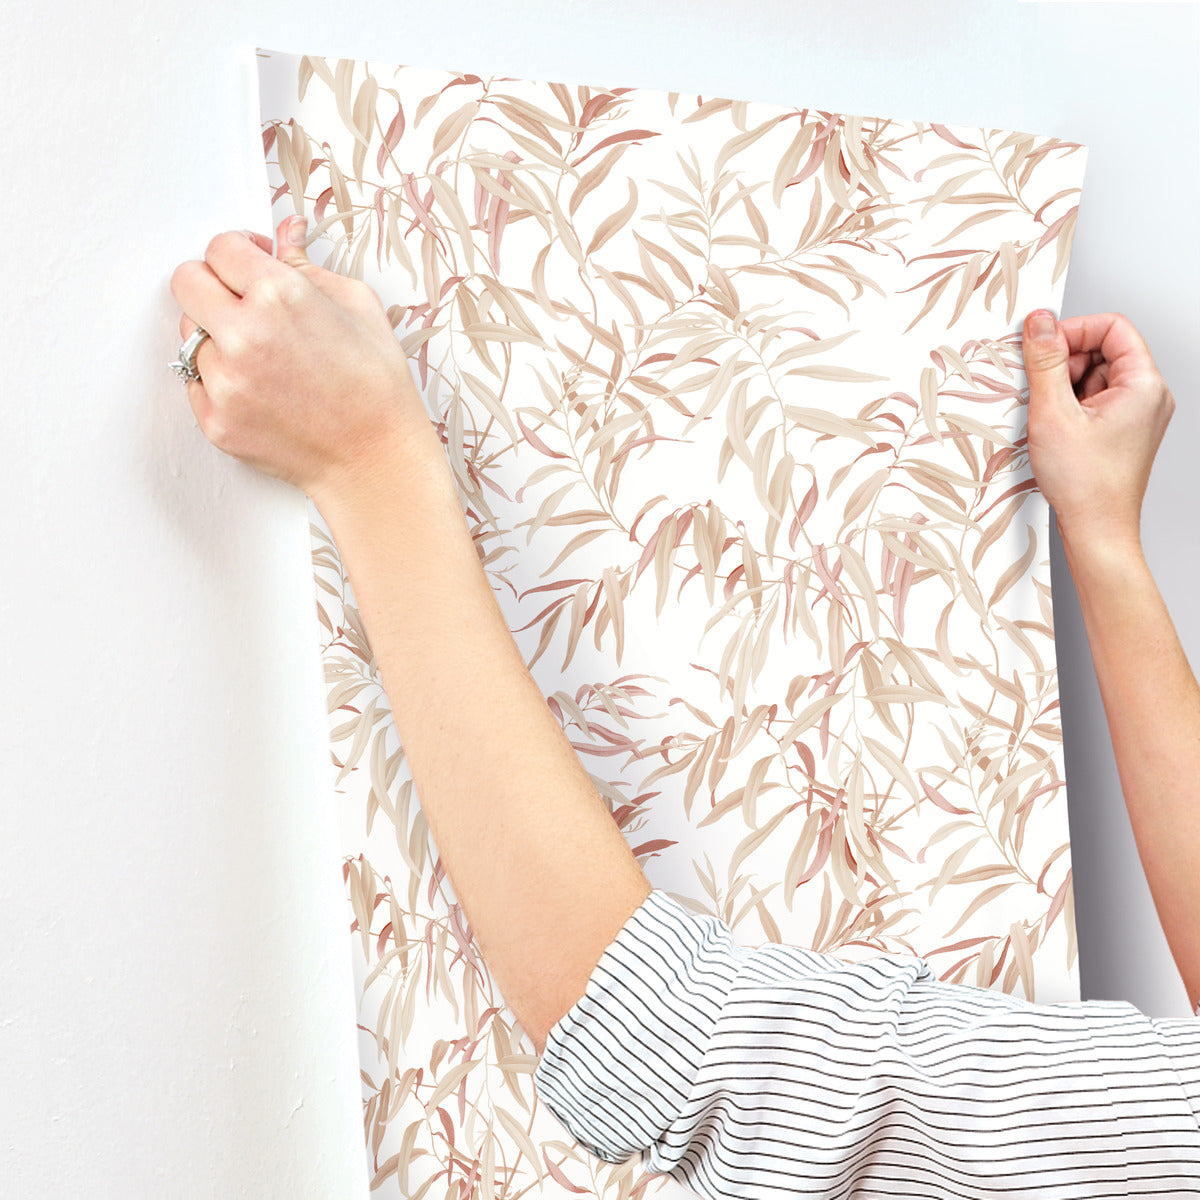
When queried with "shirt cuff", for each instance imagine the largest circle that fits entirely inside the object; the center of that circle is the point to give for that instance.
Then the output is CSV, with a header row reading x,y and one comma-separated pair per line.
x,y
618,1067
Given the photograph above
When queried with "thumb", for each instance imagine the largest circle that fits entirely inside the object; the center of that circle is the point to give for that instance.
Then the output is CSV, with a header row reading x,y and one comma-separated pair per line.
x,y
1047,359
291,237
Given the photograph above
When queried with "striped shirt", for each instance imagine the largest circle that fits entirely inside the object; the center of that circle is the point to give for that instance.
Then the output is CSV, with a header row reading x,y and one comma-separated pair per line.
x,y
779,1071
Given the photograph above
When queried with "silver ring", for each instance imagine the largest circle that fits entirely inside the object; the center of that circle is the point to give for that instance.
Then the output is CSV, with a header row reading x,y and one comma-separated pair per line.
x,y
185,366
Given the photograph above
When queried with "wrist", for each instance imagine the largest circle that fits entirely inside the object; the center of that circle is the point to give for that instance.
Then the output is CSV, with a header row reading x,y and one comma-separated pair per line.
x,y
408,460
1095,538
1094,554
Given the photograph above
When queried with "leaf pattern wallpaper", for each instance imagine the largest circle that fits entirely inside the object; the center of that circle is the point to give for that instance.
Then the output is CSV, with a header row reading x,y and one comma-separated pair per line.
x,y
733,395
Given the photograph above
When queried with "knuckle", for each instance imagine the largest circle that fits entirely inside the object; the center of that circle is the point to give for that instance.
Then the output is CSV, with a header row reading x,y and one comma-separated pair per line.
x,y
278,290
1043,357
1130,331
262,290
234,343
216,244
181,275
370,297
215,429
292,288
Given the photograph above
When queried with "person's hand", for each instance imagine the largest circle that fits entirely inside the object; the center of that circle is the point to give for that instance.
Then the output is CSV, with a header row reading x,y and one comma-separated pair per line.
x,y
302,375
1098,409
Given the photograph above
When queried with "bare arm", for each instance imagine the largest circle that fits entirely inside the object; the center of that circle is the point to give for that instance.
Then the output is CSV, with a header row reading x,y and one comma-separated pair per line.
x,y
1098,409
536,859
303,378
1152,703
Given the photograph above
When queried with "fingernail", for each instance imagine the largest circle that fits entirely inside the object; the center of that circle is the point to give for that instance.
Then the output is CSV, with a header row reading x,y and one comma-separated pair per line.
x,y
1041,324
297,231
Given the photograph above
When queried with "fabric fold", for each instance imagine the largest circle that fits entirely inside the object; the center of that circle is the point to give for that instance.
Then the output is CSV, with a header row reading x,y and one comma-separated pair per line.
x,y
778,1070
618,1067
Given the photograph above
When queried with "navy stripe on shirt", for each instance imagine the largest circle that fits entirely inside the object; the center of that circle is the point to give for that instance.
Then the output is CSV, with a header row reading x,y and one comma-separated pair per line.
x,y
776,1070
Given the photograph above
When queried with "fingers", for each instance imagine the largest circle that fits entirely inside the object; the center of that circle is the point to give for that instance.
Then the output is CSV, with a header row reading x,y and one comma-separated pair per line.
x,y
203,296
1109,338
1047,363
238,260
291,238
1089,355
1096,380
209,291
198,397
291,241
261,240
186,328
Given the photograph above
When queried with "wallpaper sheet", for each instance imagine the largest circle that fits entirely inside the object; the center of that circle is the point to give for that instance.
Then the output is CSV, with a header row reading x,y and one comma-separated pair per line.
x,y
733,394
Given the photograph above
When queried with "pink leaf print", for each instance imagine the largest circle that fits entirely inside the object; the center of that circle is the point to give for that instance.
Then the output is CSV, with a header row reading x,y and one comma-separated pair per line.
x,y
391,139
499,215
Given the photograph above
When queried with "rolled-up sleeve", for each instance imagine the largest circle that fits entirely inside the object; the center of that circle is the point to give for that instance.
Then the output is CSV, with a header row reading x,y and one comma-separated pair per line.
x,y
781,1071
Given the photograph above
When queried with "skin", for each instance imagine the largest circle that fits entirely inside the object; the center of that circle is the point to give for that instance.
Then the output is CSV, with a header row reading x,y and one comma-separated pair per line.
x,y
304,379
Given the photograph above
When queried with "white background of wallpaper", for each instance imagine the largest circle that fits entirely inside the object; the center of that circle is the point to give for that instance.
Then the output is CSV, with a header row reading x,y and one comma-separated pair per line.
x,y
176,1008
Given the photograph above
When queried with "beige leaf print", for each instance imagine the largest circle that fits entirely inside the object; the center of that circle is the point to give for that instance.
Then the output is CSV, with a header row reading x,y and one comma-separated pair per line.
x,y
733,397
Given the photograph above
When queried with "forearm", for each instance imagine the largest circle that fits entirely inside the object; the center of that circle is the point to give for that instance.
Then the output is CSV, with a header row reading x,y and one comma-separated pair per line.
x,y
537,862
1152,703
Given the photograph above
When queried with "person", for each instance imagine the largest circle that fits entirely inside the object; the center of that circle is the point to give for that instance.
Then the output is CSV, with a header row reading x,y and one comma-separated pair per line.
x,y
741,1072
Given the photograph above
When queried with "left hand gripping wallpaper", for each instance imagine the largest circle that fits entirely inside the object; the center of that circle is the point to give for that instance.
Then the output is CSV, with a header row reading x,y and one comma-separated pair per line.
x,y
734,400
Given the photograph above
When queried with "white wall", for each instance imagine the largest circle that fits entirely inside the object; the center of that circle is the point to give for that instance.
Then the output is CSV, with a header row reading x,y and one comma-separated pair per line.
x,y
176,1009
